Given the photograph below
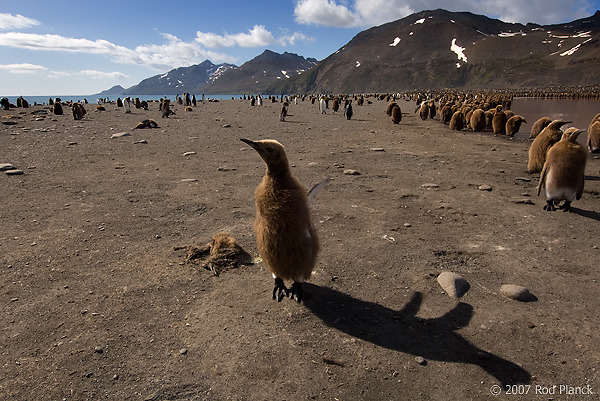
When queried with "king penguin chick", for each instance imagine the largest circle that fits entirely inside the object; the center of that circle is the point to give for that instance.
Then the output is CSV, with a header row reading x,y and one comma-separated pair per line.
x,y
285,238
564,171
540,145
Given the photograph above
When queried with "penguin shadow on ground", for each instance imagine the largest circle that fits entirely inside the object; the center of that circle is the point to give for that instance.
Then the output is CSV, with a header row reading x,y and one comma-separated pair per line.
x,y
590,214
433,339
592,178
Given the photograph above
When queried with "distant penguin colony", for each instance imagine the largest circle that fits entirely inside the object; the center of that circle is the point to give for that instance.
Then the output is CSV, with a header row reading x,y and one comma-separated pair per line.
x,y
513,124
285,238
563,174
540,145
538,126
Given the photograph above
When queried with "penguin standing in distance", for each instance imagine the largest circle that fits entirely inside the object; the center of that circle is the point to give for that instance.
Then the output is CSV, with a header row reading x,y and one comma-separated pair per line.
x,y
540,145
513,124
563,174
457,122
396,114
285,238
477,120
499,121
538,126
323,105
283,112
349,111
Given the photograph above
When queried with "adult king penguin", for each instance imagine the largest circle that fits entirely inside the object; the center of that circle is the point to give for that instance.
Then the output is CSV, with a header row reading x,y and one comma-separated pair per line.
x,y
285,238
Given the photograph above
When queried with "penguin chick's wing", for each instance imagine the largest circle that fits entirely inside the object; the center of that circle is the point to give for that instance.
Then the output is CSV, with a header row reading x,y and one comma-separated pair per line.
x,y
316,189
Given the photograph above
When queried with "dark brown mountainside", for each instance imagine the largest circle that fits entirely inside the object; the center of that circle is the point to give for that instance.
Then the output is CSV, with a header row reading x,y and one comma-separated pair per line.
x,y
442,49
259,73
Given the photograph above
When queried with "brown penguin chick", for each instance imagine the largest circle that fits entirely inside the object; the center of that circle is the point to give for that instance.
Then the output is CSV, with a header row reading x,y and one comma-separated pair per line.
x,y
285,237
457,122
446,114
563,174
593,139
396,114
539,125
389,108
540,145
499,121
514,124
78,111
477,120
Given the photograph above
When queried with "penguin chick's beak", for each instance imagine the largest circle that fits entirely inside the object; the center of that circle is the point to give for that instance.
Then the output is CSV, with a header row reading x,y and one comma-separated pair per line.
x,y
249,142
576,134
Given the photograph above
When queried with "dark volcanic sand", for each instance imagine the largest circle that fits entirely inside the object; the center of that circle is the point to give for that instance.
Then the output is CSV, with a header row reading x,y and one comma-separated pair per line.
x,y
99,302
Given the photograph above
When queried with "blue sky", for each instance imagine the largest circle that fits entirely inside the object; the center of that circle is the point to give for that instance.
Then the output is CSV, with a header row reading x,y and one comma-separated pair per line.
x,y
81,48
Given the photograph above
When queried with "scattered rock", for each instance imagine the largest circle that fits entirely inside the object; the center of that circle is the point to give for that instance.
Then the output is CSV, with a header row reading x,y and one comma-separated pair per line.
x,y
189,153
454,285
223,168
120,135
484,188
351,172
9,122
517,292
183,351
430,185
524,179
99,350
140,141
6,166
189,180
407,225
227,126
523,201
14,172
421,361
377,149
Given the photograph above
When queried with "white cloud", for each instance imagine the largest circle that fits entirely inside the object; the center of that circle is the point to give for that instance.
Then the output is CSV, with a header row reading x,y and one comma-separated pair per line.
x,y
367,13
174,53
88,74
258,36
22,68
9,21
325,12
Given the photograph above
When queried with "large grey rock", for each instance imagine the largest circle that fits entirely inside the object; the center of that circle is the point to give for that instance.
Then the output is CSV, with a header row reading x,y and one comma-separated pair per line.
x,y
517,292
454,285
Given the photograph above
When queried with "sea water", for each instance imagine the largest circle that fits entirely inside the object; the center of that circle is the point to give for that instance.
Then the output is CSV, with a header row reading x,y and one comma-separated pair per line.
x,y
579,111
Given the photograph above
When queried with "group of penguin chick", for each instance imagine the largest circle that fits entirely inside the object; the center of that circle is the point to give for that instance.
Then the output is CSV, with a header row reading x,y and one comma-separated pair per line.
x,y
289,245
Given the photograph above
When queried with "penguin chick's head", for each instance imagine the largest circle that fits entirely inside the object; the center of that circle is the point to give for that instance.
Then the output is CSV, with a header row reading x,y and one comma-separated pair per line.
x,y
571,134
272,152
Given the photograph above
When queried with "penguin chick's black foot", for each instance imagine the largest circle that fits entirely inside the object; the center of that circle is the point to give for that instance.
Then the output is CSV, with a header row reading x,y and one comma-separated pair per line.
x,y
566,207
296,291
280,290
549,206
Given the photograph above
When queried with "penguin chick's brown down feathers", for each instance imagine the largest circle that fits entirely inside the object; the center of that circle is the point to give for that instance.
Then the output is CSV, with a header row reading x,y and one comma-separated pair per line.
x,y
563,174
285,238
